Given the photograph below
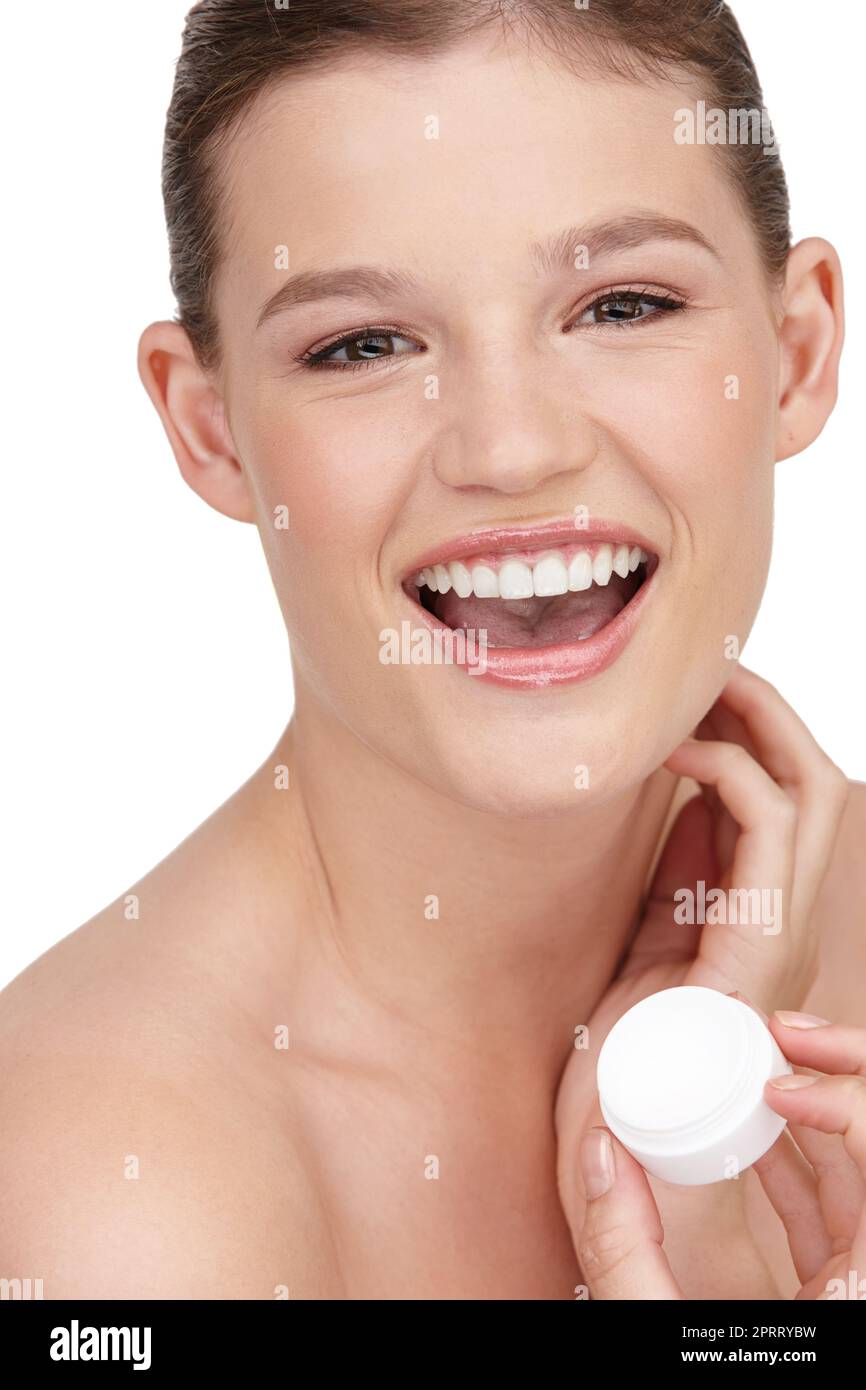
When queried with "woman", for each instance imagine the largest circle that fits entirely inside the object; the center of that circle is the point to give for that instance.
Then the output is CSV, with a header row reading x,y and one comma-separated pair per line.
x,y
488,349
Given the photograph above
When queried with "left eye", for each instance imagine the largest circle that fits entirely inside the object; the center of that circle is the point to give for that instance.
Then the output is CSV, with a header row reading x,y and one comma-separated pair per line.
x,y
359,350
627,308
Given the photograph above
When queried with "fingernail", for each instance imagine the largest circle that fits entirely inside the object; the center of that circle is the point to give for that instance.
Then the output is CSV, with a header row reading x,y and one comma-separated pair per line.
x,y
794,1020
597,1163
792,1081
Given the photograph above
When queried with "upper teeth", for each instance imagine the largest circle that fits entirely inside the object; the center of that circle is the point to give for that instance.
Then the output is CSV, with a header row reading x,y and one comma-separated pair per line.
x,y
554,572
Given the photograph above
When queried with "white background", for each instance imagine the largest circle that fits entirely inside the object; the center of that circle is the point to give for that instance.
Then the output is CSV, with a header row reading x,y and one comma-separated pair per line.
x,y
147,669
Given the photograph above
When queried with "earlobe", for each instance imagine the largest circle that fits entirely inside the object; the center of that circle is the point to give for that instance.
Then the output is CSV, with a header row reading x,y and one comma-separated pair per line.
x,y
193,416
810,344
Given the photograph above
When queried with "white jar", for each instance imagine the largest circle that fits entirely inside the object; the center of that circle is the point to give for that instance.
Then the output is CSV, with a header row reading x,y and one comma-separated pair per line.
x,y
681,1078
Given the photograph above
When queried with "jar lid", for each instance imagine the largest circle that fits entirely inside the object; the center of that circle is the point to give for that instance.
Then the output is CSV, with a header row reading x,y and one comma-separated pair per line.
x,y
676,1060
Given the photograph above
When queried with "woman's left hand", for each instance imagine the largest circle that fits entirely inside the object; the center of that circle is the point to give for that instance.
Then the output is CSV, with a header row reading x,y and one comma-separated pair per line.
x,y
767,818
817,1184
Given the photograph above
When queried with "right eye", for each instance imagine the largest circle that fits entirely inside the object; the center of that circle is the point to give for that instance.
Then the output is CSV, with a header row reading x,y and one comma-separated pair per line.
x,y
362,349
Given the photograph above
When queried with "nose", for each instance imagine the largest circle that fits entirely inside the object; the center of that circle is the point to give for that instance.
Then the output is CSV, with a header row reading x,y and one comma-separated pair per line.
x,y
511,432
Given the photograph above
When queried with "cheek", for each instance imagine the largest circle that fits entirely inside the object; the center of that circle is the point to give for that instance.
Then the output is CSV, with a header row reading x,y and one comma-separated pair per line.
x,y
341,470
330,461
700,424
721,478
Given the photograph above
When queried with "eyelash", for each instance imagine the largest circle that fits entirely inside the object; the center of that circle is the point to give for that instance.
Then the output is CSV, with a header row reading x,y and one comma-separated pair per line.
x,y
318,358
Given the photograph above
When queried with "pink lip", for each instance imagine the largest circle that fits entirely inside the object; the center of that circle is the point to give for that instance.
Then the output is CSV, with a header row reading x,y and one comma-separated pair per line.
x,y
493,541
538,668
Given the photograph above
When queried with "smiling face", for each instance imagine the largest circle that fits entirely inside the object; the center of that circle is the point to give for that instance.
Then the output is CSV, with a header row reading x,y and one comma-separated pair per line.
x,y
550,398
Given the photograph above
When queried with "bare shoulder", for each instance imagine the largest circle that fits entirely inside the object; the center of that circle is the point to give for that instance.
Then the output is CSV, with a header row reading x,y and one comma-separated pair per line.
x,y
839,992
149,1144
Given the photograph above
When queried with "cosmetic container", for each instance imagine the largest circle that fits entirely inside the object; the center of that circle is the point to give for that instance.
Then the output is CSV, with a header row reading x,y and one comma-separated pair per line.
x,y
680,1080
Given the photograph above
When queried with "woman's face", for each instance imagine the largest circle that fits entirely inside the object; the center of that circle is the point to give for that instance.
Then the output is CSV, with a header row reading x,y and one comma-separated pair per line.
x,y
505,389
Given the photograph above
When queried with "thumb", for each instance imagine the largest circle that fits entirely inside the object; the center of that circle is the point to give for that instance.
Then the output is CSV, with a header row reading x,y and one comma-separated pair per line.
x,y
620,1244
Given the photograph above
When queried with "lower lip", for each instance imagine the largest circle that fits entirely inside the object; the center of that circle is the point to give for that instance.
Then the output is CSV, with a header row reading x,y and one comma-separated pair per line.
x,y
538,668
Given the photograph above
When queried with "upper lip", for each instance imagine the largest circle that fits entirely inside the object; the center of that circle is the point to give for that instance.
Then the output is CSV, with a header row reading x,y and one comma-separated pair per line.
x,y
529,536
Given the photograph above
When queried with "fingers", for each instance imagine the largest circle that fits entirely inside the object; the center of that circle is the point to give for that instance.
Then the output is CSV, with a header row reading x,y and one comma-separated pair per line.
x,y
766,816
841,1189
733,947
776,802
808,1041
750,711
782,742
620,1244
801,767
841,1051
798,804
816,1185
834,1182
833,1104
792,1188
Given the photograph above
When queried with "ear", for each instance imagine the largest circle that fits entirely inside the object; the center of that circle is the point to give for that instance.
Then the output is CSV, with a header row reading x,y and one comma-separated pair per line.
x,y
193,414
810,342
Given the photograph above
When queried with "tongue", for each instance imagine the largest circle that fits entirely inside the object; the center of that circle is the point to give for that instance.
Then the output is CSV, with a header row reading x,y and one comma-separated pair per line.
x,y
537,622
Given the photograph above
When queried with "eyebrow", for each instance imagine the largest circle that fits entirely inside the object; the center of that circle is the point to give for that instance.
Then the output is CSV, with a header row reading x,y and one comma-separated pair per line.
x,y
617,234
557,253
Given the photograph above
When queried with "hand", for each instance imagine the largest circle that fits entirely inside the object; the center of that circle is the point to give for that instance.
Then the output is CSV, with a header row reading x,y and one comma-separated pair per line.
x,y
767,817
816,1184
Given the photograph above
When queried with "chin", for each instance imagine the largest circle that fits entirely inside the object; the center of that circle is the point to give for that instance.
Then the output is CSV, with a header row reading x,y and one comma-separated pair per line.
x,y
543,768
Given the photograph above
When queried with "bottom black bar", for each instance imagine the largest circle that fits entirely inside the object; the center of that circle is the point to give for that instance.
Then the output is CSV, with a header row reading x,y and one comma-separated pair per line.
x,y
221,1338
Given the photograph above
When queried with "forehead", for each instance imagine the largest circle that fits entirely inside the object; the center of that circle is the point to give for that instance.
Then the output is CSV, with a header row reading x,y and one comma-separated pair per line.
x,y
416,160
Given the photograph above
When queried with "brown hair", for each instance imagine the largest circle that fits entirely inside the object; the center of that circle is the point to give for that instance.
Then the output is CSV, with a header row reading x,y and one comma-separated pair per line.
x,y
234,49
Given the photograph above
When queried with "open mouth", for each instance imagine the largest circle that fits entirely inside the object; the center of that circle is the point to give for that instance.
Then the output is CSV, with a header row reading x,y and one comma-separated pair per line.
x,y
533,598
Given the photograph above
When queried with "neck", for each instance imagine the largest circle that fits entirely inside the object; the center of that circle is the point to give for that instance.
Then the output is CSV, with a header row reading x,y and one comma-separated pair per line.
x,y
476,939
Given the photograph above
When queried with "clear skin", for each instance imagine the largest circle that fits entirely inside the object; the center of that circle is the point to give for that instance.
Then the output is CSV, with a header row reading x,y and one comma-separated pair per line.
x,y
412,1037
